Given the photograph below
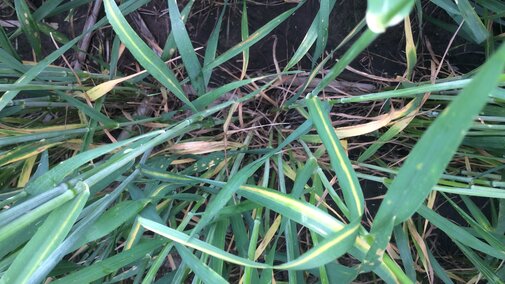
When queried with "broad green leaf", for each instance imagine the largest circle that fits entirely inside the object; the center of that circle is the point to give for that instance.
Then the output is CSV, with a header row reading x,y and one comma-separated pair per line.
x,y
35,214
430,156
48,237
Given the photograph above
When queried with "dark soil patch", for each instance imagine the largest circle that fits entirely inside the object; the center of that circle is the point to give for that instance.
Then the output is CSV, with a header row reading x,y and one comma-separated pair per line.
x,y
385,57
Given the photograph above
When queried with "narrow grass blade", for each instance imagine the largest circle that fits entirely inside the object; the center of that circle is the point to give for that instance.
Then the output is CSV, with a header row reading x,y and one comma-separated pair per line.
x,y
211,50
219,240
357,47
322,31
439,270
288,227
46,8
202,270
327,250
91,112
146,57
459,234
170,45
29,26
89,217
384,138
241,177
376,252
26,151
111,264
424,87
105,87
35,71
252,39
195,243
185,47
309,216
403,244
410,48
253,235
307,42
26,172
244,32
302,176
399,204
12,61
57,174
210,97
6,45
112,219
482,266
472,21
339,161
158,262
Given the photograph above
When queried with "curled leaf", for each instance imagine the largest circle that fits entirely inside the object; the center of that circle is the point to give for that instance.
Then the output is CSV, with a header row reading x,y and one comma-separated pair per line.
x,y
382,14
